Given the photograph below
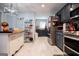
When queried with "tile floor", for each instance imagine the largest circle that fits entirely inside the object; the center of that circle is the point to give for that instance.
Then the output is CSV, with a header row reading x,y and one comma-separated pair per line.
x,y
40,47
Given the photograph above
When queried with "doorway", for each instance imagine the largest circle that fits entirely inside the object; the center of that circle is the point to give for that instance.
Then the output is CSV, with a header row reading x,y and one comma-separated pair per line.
x,y
41,28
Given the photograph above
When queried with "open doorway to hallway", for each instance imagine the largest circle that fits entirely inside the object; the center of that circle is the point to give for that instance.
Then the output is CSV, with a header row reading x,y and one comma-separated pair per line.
x,y
41,27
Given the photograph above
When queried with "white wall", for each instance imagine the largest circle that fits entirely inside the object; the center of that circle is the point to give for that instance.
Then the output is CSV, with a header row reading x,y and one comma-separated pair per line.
x,y
11,19
14,20
26,17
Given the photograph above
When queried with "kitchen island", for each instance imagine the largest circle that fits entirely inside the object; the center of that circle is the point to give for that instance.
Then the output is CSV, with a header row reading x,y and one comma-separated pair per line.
x,y
10,42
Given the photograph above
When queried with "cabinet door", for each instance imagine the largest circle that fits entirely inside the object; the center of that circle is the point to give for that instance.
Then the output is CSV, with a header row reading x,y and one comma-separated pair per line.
x,y
67,12
59,40
16,43
59,15
62,15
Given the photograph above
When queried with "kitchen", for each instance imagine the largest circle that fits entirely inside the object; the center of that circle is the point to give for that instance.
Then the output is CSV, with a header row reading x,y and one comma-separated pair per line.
x,y
22,24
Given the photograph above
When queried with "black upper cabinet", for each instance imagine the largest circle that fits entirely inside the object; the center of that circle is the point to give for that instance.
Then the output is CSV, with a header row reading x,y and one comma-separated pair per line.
x,y
75,5
59,15
75,10
64,13
67,13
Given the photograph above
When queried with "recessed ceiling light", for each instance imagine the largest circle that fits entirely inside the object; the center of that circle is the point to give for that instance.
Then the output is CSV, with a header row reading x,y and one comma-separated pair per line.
x,y
42,5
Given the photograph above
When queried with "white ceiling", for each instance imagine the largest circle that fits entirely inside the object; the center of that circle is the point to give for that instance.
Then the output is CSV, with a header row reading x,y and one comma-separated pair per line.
x,y
50,8
35,8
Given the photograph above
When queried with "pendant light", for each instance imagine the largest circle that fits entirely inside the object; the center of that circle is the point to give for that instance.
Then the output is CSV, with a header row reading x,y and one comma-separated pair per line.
x,y
71,7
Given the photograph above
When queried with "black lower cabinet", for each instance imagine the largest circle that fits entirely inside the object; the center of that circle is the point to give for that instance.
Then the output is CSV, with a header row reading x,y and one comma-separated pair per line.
x,y
71,46
70,52
59,39
74,44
